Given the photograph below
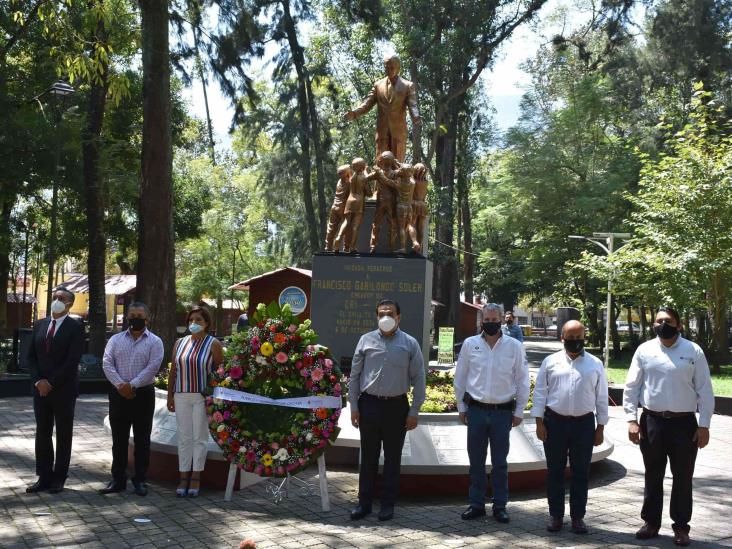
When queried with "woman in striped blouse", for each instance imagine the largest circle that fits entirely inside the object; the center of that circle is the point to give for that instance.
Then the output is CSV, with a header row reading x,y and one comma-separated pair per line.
x,y
194,356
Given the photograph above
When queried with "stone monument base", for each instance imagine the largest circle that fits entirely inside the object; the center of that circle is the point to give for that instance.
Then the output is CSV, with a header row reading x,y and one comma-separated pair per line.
x,y
434,459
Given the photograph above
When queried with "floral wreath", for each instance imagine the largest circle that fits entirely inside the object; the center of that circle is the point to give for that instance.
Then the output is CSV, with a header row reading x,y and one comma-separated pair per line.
x,y
276,357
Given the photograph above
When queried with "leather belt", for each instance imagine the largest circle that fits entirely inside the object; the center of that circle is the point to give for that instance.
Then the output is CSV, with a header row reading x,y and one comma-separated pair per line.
x,y
470,401
667,414
379,397
550,412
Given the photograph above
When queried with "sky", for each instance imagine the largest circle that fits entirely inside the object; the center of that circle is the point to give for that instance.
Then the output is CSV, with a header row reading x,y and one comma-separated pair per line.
x,y
504,82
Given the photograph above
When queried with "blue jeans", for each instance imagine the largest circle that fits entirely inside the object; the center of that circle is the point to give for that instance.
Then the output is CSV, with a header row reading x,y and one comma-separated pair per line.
x,y
484,427
573,438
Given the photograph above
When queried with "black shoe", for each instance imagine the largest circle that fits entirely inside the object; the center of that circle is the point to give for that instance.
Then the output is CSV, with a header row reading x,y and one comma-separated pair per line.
x,y
501,515
555,524
56,487
579,526
472,512
386,512
37,486
140,488
113,487
359,512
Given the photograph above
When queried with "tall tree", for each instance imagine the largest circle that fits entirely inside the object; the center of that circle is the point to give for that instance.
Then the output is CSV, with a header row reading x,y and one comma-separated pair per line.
x,y
155,255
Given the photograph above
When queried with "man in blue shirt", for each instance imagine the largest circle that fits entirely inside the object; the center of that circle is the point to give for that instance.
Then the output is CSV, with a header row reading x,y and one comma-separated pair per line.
x,y
511,328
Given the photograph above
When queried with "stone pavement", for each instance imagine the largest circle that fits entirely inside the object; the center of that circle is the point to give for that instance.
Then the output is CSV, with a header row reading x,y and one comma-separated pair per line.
x,y
81,517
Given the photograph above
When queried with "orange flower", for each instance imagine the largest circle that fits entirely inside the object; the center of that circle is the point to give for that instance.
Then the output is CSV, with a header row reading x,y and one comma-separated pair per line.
x,y
321,413
280,338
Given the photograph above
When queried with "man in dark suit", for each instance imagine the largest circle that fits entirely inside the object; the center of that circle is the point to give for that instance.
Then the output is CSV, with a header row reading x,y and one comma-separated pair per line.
x,y
53,359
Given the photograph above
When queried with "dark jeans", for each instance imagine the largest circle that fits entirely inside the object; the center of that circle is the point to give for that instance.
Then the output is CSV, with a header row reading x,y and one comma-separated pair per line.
x,y
573,438
138,414
671,439
382,422
50,410
484,427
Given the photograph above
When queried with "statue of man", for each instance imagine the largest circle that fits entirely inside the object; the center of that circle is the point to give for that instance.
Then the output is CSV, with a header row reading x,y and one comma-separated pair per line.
x,y
392,95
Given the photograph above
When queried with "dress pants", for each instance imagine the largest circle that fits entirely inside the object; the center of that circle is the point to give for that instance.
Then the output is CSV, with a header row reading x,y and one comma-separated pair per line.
x,y
382,422
190,415
138,414
484,427
573,437
53,409
671,439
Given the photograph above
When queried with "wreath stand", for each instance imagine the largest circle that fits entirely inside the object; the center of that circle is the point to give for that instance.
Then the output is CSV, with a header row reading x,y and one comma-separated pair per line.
x,y
280,489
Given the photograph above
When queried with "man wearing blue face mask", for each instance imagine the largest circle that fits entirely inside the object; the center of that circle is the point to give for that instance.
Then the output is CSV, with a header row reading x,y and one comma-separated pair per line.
x,y
131,360
492,390
386,363
53,359
669,378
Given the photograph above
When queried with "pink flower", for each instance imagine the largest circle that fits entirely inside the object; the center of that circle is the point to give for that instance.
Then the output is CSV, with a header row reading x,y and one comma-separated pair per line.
x,y
328,363
251,456
298,364
281,357
227,414
304,373
292,328
220,372
317,374
236,372
326,434
275,446
218,418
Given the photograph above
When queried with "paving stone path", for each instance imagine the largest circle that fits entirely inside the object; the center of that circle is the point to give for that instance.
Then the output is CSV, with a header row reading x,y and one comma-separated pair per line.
x,y
81,517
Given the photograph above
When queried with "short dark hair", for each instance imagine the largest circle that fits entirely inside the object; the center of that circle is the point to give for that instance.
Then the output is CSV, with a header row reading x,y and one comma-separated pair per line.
x,y
508,313
204,312
139,305
671,311
66,291
388,302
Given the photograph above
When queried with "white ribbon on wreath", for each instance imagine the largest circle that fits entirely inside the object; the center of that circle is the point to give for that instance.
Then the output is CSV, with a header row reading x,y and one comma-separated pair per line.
x,y
224,393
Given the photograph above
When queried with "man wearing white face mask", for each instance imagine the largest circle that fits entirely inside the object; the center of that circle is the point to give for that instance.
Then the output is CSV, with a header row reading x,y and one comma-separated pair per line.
x,y
386,363
53,359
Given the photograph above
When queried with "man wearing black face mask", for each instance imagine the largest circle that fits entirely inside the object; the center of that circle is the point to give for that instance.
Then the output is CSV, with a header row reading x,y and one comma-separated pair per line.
x,y
131,360
492,390
511,328
571,387
669,378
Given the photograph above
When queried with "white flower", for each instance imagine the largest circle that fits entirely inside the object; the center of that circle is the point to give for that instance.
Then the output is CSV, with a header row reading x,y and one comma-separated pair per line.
x,y
309,437
281,455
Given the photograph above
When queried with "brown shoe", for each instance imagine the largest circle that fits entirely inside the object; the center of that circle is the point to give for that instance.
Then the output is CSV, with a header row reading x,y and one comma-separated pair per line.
x,y
681,537
647,532
555,524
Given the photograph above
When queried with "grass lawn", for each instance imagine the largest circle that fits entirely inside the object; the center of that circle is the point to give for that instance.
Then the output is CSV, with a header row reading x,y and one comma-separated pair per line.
x,y
722,384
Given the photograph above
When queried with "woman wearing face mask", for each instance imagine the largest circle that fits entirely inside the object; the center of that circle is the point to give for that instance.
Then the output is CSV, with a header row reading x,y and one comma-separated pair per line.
x,y
194,356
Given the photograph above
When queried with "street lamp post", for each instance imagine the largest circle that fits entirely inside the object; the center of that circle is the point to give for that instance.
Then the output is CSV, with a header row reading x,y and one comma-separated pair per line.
x,y
60,91
608,248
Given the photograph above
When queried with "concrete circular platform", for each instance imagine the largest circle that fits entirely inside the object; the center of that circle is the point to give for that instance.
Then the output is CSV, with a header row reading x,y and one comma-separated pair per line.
x,y
434,459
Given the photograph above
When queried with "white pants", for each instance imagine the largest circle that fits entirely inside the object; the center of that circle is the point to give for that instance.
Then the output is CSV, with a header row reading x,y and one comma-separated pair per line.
x,y
190,414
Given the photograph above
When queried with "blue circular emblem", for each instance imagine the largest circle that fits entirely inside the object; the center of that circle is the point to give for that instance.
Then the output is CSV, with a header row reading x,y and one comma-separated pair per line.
x,y
295,297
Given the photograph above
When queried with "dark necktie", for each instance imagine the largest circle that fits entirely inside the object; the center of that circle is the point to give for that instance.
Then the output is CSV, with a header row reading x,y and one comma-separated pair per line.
x,y
49,336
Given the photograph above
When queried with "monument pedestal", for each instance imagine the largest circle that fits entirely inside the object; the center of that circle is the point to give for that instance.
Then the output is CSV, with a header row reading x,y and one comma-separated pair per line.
x,y
345,289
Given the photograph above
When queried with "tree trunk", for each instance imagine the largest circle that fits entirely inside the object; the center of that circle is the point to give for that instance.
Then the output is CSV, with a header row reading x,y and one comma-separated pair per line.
x,y
630,322
202,76
592,323
446,273
464,199
643,332
614,337
5,237
718,314
307,131
156,267
94,192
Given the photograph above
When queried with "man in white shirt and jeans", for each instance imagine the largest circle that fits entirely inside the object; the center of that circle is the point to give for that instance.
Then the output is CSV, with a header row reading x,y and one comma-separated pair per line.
x,y
571,387
492,390
669,378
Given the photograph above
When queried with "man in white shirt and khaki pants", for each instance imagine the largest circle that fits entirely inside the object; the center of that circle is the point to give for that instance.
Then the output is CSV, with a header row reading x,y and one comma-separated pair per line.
x,y
571,387
492,390
669,378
